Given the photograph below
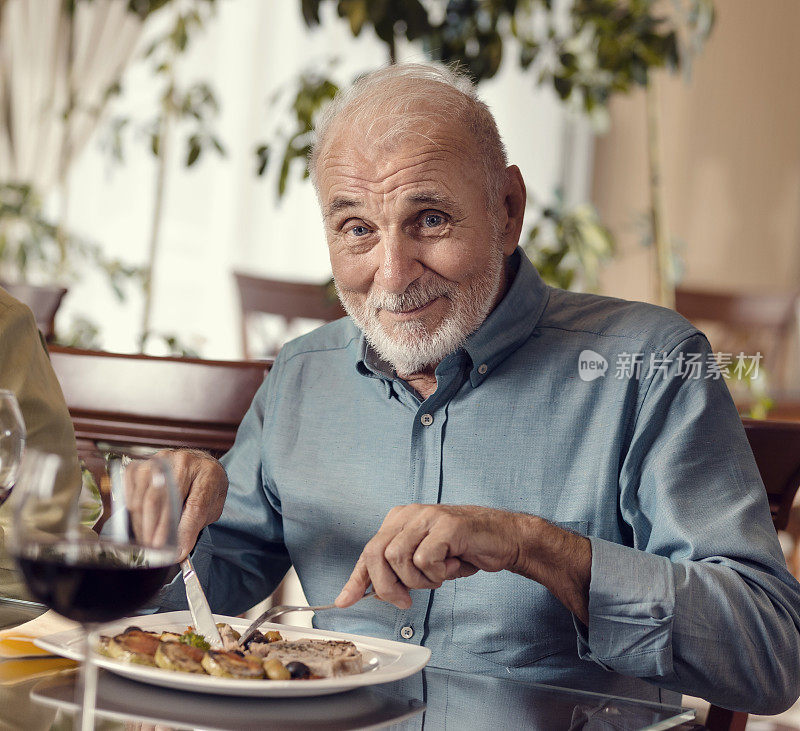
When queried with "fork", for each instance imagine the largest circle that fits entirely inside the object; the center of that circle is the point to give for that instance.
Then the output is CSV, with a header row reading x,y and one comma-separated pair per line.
x,y
285,609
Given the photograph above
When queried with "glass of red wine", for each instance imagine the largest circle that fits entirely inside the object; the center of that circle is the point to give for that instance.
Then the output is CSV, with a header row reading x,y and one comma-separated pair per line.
x,y
86,577
12,442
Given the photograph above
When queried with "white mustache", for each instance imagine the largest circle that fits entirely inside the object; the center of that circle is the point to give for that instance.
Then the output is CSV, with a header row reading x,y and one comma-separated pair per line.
x,y
417,295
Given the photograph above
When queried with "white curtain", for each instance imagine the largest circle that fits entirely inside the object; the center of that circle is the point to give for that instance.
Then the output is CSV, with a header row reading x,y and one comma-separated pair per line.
x,y
44,52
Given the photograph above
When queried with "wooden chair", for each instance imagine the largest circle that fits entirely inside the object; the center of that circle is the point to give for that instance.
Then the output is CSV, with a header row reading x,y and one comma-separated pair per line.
x,y
124,402
44,302
746,323
776,448
289,300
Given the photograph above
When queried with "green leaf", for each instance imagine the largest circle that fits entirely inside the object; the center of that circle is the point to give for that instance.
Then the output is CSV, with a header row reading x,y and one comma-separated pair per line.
x,y
416,19
218,146
356,13
180,35
310,10
262,155
562,86
194,150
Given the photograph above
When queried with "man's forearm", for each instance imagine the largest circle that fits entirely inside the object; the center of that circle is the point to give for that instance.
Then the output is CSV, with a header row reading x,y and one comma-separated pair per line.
x,y
559,560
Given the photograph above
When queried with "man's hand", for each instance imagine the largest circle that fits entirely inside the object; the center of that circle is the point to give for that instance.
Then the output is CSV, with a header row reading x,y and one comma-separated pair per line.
x,y
202,485
421,546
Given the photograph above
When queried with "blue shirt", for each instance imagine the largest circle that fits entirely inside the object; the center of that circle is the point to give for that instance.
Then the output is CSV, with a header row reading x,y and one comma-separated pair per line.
x,y
689,589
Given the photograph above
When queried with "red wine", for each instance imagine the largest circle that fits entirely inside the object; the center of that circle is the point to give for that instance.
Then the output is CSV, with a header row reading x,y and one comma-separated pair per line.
x,y
91,581
5,493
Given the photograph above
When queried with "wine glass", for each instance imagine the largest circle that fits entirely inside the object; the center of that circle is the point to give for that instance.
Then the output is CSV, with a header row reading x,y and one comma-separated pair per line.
x,y
92,578
12,442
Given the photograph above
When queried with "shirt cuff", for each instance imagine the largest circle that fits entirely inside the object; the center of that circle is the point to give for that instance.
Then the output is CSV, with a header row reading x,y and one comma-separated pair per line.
x,y
631,608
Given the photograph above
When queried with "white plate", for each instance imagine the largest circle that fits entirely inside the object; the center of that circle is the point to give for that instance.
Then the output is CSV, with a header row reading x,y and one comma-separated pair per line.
x,y
384,660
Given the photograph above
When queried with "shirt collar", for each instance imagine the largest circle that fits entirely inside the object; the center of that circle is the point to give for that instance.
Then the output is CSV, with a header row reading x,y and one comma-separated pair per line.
x,y
506,328
509,324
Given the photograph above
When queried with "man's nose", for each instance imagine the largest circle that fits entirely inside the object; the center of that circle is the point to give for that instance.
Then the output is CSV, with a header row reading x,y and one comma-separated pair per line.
x,y
399,266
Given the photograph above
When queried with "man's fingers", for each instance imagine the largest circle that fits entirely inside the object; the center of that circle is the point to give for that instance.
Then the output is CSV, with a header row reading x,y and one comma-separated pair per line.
x,y
156,510
430,557
192,521
355,587
401,555
372,568
384,580
136,479
458,569
184,466
202,487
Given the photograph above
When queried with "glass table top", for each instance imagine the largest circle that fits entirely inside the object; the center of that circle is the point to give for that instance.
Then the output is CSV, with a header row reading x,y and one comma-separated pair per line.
x,y
432,699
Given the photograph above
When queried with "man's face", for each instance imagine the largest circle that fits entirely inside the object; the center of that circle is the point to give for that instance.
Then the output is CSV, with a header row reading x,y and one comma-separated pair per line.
x,y
416,249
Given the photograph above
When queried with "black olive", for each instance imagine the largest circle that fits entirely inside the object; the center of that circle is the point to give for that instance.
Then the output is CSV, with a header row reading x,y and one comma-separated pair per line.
x,y
257,637
132,628
298,670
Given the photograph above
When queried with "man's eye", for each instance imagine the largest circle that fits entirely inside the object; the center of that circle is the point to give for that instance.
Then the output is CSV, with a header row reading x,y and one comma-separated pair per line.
x,y
359,230
432,220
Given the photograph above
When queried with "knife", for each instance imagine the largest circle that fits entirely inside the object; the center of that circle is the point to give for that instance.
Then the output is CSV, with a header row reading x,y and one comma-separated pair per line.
x,y
198,604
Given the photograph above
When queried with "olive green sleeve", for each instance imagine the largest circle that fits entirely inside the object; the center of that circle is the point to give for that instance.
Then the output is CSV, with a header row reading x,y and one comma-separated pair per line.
x,y
25,369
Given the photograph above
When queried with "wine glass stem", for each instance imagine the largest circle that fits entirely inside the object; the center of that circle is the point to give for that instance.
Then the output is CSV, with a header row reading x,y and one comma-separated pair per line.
x,y
87,688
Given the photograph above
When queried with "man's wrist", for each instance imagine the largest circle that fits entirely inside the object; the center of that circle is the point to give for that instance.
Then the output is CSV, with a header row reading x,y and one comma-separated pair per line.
x,y
556,558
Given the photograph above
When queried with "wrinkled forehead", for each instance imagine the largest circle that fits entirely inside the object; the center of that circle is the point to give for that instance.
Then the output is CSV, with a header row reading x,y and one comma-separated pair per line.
x,y
378,153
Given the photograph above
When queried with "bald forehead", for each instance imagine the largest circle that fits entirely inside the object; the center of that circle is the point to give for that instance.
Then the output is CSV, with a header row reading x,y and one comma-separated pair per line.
x,y
423,168
369,148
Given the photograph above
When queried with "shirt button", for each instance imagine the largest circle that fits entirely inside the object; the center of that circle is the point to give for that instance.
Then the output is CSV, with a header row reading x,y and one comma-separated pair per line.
x,y
407,633
426,419
482,368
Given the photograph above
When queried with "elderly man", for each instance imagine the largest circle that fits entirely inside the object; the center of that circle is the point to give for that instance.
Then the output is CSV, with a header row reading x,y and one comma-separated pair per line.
x,y
446,443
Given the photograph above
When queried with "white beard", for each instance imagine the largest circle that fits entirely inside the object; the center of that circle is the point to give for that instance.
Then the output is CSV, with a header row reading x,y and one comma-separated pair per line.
x,y
410,347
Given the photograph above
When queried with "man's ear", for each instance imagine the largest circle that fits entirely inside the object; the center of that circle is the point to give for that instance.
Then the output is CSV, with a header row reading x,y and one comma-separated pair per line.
x,y
514,198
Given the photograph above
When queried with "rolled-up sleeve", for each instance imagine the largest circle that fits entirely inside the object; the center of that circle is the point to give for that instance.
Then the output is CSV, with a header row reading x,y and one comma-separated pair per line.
x,y
241,558
701,600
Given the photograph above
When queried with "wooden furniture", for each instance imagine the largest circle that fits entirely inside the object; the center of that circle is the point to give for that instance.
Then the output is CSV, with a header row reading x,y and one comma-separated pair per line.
x,y
289,300
121,402
776,448
44,302
748,323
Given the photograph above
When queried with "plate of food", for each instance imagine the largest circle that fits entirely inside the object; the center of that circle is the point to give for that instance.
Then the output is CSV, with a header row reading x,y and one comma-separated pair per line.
x,y
280,661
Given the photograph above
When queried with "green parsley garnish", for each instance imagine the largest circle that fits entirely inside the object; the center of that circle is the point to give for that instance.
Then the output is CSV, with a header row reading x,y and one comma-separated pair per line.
x,y
195,640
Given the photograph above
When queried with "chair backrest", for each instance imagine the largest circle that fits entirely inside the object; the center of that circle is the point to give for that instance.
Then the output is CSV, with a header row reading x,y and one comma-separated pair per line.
x,y
127,401
776,447
290,300
742,322
43,301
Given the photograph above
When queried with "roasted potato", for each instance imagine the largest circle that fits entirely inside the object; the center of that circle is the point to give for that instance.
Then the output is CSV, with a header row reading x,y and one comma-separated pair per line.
x,y
232,665
177,656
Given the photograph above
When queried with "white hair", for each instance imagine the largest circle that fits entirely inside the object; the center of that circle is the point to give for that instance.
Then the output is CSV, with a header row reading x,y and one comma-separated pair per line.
x,y
412,98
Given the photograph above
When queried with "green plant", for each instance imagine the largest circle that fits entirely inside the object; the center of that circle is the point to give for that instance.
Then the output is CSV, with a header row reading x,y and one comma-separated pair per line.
x,y
172,342
596,49
302,102
569,245
33,247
